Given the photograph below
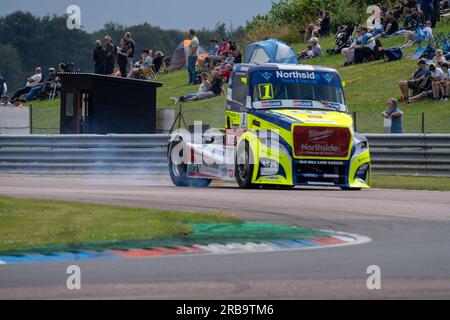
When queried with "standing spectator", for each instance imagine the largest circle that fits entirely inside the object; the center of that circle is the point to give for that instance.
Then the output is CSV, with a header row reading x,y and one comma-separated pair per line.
x,y
426,7
193,56
32,81
122,58
418,81
436,13
325,24
394,113
311,31
131,45
110,55
3,86
99,58
365,49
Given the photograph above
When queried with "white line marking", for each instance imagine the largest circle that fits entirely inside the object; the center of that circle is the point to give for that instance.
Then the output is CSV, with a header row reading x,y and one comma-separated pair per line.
x,y
2,262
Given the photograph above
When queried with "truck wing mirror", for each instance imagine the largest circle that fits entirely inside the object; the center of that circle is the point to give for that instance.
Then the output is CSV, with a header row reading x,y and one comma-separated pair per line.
x,y
244,80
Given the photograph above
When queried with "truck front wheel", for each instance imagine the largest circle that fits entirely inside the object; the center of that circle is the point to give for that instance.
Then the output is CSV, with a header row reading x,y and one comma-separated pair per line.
x,y
244,166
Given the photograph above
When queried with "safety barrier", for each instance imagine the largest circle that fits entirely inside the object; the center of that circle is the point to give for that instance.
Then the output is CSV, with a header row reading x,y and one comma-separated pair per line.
x,y
409,154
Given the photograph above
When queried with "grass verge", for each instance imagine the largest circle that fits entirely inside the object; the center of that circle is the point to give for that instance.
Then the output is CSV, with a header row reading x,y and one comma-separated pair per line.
x,y
410,183
31,223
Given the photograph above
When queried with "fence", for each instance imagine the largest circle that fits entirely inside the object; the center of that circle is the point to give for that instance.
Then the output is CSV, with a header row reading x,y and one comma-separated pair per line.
x,y
410,154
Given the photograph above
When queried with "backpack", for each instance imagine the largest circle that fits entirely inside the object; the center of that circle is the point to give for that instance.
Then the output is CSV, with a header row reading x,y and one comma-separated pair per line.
x,y
393,54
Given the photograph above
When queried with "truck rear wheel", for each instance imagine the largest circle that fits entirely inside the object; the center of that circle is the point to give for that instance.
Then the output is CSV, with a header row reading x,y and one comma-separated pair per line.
x,y
244,166
178,172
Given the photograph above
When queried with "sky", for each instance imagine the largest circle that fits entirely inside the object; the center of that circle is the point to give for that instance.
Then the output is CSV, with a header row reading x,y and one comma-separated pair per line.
x,y
168,14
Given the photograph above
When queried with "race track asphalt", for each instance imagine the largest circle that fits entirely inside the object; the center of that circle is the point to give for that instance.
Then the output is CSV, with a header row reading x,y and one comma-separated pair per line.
x,y
410,232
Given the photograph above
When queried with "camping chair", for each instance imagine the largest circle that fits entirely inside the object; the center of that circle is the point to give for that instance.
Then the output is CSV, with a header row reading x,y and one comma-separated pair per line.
x,y
55,89
147,74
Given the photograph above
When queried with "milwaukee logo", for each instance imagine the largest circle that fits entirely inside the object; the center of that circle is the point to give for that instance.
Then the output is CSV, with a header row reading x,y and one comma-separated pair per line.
x,y
296,75
314,135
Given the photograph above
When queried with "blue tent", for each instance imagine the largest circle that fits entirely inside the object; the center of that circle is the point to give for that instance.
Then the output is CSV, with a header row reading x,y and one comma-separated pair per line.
x,y
271,50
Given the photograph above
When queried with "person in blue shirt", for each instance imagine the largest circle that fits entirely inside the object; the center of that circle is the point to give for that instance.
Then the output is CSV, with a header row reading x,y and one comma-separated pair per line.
x,y
365,46
394,113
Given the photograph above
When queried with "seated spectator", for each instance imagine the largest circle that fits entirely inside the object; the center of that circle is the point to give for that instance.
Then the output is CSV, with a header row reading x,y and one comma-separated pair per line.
x,y
226,74
207,89
311,31
394,113
325,24
316,49
144,67
213,51
224,48
390,24
237,56
439,58
230,57
365,49
425,34
437,76
221,67
43,86
418,83
411,19
32,81
349,53
5,102
445,83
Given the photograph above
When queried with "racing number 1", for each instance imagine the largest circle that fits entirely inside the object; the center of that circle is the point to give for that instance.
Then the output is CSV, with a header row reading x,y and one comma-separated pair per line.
x,y
266,91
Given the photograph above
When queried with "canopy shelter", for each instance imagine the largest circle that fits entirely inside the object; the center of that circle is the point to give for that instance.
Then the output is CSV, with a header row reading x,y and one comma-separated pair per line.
x,y
181,54
271,50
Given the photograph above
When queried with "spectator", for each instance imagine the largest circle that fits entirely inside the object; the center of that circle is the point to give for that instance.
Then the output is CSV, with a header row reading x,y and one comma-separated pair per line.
x,y
193,56
216,86
412,19
99,58
365,49
418,82
145,65
325,24
204,91
426,34
316,49
42,87
3,86
426,7
122,57
224,48
445,83
311,31
213,51
158,61
349,53
230,57
437,76
390,24
110,55
394,113
226,74
237,56
439,58
5,102
32,81
131,45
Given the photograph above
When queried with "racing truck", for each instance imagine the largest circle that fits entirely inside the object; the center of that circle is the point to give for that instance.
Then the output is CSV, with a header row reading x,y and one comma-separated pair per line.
x,y
285,126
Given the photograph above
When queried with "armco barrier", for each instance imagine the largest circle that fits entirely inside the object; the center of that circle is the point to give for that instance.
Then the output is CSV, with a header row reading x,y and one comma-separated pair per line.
x,y
416,154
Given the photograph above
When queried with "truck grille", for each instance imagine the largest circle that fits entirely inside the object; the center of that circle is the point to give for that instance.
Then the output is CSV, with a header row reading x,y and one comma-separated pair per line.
x,y
325,142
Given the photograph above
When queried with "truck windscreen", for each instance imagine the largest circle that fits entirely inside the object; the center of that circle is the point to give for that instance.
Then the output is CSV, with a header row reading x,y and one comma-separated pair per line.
x,y
297,86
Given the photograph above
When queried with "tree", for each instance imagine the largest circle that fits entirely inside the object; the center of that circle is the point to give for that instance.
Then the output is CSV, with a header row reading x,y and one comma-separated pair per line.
x,y
11,68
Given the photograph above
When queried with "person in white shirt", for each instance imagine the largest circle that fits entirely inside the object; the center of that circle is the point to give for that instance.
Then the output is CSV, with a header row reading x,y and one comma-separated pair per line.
x,y
439,58
445,83
193,56
32,81
436,78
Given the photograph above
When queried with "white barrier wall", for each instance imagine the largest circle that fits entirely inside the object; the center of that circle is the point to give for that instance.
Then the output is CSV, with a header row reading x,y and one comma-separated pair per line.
x,y
15,120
